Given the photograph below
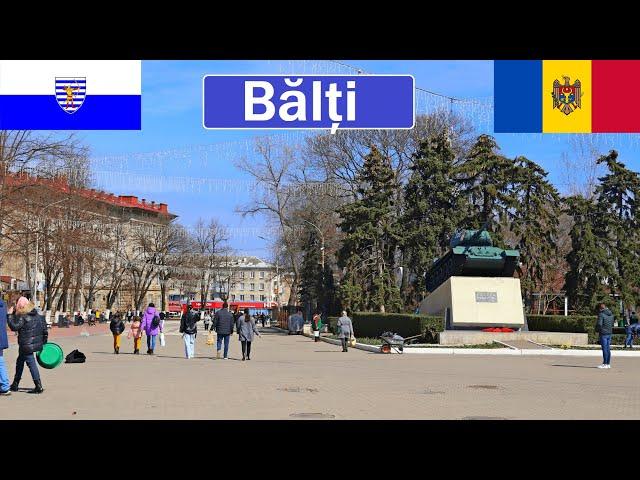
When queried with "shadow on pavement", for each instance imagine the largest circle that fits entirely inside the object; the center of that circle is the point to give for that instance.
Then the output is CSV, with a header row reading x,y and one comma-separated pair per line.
x,y
121,353
572,366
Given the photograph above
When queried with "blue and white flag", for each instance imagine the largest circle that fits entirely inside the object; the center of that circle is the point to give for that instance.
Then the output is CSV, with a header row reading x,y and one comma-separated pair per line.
x,y
70,94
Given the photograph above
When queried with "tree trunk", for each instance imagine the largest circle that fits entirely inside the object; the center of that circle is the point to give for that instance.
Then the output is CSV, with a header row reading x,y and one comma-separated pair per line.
x,y
78,287
163,295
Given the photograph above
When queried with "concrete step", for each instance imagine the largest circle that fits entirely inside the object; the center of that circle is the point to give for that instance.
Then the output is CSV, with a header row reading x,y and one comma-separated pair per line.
x,y
524,345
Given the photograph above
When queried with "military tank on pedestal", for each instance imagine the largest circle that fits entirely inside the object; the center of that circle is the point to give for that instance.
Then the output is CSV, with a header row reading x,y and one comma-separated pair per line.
x,y
472,254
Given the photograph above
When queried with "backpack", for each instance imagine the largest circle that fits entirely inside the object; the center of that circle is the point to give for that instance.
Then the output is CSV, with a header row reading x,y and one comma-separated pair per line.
x,y
76,357
155,322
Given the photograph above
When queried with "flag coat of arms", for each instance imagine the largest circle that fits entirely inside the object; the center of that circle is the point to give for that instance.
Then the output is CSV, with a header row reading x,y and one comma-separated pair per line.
x,y
566,96
70,94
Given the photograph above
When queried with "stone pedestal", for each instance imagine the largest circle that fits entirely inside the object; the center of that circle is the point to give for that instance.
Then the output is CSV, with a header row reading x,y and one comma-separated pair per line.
x,y
477,302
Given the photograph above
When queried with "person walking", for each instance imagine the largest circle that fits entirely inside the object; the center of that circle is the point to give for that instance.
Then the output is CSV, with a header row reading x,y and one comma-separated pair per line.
x,y
604,327
189,330
151,326
136,332
4,344
117,327
246,328
91,320
316,324
32,335
223,325
345,329
296,322
631,329
207,320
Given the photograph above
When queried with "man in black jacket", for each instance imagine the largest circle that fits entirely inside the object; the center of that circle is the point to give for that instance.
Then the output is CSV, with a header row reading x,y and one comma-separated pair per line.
x,y
605,328
32,335
223,324
189,331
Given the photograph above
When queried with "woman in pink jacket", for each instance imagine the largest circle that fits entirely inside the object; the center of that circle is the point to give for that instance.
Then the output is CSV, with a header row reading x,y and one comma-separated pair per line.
x,y
151,326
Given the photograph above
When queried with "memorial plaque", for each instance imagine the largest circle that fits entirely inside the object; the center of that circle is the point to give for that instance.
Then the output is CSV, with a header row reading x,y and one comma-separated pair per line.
x,y
486,297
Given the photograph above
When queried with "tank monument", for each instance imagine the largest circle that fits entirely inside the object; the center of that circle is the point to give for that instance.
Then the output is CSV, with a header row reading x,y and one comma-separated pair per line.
x,y
474,289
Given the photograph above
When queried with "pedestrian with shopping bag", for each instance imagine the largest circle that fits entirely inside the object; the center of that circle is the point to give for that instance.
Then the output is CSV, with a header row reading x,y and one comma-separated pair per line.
x,y
316,323
151,326
345,331
246,328
189,331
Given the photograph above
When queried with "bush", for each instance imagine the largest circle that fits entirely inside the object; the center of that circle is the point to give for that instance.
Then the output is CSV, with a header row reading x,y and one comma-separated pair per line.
x,y
373,324
572,323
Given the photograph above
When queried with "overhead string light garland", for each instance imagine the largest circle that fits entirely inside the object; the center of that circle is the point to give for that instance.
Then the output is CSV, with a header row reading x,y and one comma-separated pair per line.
x,y
133,167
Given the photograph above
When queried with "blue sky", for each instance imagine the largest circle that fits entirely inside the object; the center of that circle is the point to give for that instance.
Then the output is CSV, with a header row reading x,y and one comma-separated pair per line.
x,y
172,126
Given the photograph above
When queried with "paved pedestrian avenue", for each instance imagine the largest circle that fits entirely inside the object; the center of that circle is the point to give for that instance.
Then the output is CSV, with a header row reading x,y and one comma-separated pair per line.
x,y
292,377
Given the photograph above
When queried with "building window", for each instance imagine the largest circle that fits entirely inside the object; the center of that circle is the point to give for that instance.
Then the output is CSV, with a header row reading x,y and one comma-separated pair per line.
x,y
242,286
241,298
252,274
262,298
233,297
233,286
262,286
252,297
261,274
241,274
253,286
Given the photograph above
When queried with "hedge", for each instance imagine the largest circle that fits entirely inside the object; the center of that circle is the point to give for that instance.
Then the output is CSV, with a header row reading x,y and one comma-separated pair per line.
x,y
573,323
373,324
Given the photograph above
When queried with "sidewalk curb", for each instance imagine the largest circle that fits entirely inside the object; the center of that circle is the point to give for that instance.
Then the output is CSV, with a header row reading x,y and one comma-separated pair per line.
x,y
523,353
482,351
359,346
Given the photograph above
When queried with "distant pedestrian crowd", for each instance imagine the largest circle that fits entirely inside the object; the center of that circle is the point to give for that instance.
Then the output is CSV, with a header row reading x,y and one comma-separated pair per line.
x,y
31,327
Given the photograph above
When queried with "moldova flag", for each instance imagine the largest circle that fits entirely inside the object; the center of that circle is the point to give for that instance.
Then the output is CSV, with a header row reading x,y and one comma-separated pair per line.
x,y
566,96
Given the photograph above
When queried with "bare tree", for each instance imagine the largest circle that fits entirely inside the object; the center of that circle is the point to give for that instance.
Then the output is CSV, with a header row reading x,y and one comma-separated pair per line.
x,y
151,248
209,242
273,172
580,168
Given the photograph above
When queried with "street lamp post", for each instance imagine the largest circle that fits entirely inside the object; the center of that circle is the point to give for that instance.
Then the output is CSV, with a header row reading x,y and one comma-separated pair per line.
x,y
271,295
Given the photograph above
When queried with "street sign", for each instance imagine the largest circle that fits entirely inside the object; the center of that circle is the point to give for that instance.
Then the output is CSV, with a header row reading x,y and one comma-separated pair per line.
x,y
308,102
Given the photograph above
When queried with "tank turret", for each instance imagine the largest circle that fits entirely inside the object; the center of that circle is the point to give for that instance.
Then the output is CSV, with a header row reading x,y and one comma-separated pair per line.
x,y
472,254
